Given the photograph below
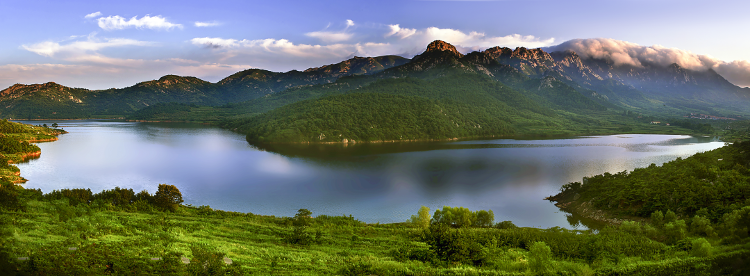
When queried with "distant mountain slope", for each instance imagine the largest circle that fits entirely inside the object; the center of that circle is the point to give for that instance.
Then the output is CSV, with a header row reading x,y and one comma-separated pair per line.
x,y
54,101
255,83
48,100
649,87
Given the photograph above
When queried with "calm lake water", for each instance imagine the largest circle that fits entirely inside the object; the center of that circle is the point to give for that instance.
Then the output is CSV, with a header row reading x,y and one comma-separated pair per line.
x,y
374,183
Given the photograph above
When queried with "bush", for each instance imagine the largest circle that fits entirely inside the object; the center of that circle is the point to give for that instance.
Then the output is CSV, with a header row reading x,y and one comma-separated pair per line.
x,y
505,225
657,218
632,227
168,197
702,226
300,223
117,196
670,216
675,231
463,217
540,258
9,194
701,248
453,245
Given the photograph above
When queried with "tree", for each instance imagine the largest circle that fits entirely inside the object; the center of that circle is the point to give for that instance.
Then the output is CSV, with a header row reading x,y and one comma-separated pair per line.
x,y
168,197
299,234
54,125
484,218
422,219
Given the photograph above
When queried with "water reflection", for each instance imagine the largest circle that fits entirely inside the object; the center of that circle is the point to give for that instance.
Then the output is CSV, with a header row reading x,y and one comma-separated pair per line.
x,y
373,182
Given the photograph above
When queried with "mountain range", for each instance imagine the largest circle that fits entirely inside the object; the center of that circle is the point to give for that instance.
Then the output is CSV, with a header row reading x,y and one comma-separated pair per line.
x,y
540,86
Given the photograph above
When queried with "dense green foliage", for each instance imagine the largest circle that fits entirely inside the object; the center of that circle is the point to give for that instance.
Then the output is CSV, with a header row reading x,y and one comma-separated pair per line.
x,y
717,182
153,111
372,117
458,105
12,146
62,233
463,217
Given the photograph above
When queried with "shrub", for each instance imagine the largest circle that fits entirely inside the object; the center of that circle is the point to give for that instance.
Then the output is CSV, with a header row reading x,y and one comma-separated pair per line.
x,y
168,197
702,226
117,196
657,218
453,245
701,248
300,223
144,196
675,231
540,258
463,217
9,194
505,225
206,261
632,227
670,216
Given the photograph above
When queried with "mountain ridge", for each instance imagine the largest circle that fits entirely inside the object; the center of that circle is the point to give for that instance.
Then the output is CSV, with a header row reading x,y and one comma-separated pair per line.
x,y
640,88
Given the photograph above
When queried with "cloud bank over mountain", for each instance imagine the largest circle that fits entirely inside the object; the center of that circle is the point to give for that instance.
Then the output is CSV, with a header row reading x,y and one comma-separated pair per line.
x,y
631,54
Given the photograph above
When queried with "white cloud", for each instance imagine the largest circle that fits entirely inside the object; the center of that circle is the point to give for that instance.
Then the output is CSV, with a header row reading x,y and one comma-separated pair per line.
x,y
284,55
93,14
148,22
330,36
86,51
737,72
101,76
628,53
87,61
412,41
400,32
215,42
207,24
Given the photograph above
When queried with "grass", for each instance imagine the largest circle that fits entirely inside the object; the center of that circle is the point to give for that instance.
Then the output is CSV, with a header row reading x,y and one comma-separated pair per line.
x,y
259,245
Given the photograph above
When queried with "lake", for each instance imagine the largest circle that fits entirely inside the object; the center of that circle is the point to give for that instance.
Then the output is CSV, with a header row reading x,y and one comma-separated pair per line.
x,y
372,182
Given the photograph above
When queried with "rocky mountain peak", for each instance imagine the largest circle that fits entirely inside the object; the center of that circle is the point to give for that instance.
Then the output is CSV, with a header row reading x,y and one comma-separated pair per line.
x,y
440,46
531,54
498,51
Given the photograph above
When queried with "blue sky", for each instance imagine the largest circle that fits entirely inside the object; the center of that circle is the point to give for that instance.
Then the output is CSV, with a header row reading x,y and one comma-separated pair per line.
x,y
103,44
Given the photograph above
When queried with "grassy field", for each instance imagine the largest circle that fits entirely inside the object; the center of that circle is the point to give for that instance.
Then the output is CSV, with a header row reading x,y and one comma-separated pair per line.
x,y
39,236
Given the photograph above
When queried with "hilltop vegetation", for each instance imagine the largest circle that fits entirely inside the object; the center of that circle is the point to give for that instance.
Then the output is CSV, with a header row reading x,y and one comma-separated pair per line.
x,y
15,146
711,186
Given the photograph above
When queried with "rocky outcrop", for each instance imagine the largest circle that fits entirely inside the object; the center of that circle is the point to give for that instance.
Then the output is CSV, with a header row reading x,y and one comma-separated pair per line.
x,y
442,46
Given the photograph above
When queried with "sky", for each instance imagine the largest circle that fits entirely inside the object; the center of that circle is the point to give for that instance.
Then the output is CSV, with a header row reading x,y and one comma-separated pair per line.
x,y
106,44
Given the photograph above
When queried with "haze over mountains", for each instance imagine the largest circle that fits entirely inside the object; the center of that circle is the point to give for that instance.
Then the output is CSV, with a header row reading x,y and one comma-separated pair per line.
x,y
570,81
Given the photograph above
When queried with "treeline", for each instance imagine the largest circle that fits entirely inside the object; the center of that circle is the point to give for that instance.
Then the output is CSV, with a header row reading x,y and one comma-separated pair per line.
x,y
694,125
713,184
150,112
166,198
